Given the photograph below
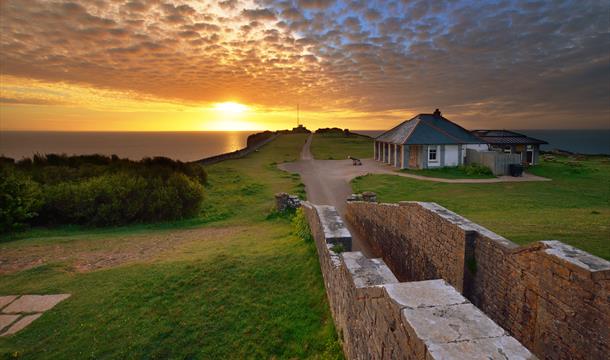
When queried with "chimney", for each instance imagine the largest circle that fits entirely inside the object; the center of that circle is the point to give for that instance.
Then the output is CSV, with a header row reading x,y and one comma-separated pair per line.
x,y
437,113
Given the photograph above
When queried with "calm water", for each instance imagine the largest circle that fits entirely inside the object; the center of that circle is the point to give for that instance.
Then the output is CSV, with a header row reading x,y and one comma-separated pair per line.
x,y
577,141
188,146
185,146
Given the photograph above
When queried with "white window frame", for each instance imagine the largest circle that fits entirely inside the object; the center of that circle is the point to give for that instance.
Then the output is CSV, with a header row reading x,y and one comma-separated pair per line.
x,y
437,151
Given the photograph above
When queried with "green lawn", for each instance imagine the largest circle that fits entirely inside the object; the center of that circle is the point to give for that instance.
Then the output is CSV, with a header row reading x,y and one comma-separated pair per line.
x,y
331,146
573,208
454,172
254,292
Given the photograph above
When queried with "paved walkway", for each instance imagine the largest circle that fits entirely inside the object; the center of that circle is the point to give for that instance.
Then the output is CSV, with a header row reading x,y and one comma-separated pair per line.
x,y
327,186
19,311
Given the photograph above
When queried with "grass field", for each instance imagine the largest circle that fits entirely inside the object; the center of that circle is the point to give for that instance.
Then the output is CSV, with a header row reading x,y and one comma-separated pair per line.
x,y
233,283
573,208
331,146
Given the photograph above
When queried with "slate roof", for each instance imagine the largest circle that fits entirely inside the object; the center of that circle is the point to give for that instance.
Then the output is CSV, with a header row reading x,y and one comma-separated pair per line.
x,y
428,129
505,137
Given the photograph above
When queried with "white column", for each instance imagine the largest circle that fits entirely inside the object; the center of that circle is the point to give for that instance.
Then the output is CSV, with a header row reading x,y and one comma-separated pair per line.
x,y
402,157
397,155
374,150
387,153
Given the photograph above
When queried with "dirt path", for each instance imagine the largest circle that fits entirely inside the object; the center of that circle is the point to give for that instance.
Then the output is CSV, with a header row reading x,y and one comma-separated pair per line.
x,y
326,186
84,255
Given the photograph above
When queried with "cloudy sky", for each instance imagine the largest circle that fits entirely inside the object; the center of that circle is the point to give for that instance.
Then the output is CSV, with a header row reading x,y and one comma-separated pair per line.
x,y
187,65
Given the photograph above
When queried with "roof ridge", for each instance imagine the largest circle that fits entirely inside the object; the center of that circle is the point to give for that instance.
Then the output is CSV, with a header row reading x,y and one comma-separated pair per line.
x,y
418,121
443,131
398,125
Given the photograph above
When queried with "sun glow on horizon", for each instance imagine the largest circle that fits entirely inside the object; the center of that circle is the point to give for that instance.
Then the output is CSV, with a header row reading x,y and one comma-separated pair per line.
x,y
232,116
230,107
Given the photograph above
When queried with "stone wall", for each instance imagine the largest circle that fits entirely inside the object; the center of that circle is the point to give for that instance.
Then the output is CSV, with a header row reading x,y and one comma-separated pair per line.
x,y
378,317
553,298
237,154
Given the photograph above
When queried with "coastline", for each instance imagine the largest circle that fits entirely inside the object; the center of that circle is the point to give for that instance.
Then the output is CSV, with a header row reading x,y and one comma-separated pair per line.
x,y
237,153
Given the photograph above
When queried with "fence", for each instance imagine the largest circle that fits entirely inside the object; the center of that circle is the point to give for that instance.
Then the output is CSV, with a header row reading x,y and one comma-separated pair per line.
x,y
498,162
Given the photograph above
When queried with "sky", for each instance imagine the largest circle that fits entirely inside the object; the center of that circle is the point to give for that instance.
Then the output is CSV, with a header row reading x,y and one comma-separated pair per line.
x,y
161,65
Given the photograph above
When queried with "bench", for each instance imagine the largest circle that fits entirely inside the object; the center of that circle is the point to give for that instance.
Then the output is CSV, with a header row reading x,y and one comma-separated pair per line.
x,y
355,162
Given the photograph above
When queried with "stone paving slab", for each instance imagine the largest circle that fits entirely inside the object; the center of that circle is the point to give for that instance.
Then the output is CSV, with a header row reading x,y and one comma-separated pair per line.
x,y
5,300
426,293
34,303
499,348
444,324
6,320
20,324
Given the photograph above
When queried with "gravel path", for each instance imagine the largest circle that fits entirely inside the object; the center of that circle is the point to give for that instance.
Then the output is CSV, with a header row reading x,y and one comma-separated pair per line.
x,y
328,181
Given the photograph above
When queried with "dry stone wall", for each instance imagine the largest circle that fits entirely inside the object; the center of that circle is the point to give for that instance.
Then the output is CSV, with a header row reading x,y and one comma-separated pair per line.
x,y
550,296
379,317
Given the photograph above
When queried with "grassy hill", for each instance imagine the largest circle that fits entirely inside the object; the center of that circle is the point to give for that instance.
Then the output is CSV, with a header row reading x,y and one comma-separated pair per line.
x,y
235,282
337,146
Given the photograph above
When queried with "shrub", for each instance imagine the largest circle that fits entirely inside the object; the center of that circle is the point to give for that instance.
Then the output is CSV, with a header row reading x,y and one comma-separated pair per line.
x,y
476,169
19,199
338,248
98,190
301,226
119,199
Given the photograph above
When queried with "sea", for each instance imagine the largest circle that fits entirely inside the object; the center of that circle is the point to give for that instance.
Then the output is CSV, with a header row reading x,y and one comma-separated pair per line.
x,y
190,146
184,146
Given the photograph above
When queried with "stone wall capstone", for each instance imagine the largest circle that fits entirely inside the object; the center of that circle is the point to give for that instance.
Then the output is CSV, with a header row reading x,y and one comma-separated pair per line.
x,y
378,317
553,298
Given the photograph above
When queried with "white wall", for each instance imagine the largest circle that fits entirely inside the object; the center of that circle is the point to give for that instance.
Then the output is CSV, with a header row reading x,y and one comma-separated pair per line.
x,y
452,155
478,147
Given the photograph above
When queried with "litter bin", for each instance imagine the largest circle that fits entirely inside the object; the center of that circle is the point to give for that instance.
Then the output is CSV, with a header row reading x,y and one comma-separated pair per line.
x,y
515,169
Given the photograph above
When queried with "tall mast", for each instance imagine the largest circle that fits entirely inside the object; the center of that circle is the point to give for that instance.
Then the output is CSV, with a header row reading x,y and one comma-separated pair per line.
x,y
298,120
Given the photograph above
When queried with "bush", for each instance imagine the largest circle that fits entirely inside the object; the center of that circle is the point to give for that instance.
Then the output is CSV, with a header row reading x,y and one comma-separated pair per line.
x,y
19,199
301,226
120,199
476,169
98,190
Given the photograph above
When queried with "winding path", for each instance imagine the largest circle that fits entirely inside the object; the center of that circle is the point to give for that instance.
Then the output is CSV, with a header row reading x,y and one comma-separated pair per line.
x,y
327,182
326,187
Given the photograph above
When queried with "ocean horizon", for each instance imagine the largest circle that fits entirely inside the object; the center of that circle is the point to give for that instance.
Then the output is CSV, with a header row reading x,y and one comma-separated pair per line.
x,y
195,145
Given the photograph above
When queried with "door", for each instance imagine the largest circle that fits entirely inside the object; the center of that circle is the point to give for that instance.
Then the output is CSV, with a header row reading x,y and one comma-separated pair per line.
x,y
530,157
414,151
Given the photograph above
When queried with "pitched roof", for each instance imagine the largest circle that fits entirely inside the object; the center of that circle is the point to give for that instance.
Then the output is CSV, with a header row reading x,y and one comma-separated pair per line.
x,y
506,137
428,129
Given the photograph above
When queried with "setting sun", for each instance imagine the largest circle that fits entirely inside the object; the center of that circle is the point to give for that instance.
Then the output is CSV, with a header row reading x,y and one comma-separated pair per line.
x,y
230,107
231,116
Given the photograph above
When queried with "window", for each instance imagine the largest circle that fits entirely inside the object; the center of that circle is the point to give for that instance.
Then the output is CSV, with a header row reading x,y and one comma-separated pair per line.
x,y
433,154
508,149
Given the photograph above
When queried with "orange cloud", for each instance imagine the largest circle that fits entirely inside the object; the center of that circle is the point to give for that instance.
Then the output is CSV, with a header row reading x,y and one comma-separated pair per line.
x,y
330,57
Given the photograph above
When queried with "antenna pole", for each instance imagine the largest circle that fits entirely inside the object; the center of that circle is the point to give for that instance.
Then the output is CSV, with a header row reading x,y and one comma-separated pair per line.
x,y
298,120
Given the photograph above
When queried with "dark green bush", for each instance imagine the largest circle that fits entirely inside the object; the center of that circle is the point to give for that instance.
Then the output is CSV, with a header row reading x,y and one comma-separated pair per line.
x,y
476,169
119,199
99,190
19,199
